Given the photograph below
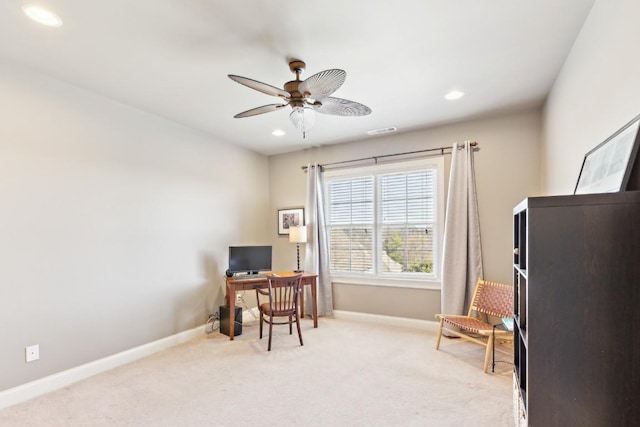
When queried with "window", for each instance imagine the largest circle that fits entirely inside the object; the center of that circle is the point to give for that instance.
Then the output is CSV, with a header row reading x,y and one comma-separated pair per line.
x,y
384,222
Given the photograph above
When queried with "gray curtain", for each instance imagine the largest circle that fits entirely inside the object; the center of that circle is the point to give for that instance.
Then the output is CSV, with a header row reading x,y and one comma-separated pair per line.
x,y
317,250
462,251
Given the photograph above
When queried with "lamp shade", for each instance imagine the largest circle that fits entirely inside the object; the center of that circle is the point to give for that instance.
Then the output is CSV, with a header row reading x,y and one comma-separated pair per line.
x,y
298,234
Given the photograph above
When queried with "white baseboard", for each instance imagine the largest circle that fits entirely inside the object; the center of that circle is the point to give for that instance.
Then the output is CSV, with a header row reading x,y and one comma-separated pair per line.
x,y
62,379
429,325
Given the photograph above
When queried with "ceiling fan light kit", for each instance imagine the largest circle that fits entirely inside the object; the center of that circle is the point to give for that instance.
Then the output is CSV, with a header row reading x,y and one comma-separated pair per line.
x,y
303,118
306,97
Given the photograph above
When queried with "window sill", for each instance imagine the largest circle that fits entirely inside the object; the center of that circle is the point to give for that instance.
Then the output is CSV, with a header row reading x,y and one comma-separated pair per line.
x,y
387,282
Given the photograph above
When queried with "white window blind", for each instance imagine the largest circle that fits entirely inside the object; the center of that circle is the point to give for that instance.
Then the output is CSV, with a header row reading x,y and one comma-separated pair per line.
x,y
351,219
406,222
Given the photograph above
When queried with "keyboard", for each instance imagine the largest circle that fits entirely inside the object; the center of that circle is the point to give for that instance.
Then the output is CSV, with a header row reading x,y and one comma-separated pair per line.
x,y
250,276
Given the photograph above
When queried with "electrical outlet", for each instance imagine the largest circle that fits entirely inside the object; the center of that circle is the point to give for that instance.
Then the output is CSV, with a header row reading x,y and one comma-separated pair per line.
x,y
238,299
32,353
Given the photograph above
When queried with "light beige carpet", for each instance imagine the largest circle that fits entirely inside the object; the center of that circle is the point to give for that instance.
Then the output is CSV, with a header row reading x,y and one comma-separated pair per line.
x,y
347,373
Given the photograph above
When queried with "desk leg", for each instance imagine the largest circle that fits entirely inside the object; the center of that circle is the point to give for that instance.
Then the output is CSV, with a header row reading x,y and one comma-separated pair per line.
x,y
314,301
302,302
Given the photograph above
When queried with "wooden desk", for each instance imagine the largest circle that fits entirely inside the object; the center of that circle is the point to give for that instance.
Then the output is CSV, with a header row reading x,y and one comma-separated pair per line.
x,y
241,284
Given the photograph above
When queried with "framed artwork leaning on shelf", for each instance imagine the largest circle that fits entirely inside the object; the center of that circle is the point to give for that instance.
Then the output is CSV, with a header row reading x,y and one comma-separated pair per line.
x,y
289,218
607,168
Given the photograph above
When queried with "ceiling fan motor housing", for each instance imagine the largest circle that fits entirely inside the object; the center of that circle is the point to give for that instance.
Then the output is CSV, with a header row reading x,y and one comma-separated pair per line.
x,y
296,97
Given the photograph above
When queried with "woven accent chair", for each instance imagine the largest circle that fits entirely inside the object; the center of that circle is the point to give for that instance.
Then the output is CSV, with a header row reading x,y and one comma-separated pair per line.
x,y
489,299
280,300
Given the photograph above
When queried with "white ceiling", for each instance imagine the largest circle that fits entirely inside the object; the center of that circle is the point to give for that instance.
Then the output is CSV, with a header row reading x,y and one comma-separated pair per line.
x,y
172,57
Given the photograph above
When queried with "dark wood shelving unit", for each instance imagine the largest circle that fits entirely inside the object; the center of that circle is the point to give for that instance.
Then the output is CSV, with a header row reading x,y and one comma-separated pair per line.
x,y
576,276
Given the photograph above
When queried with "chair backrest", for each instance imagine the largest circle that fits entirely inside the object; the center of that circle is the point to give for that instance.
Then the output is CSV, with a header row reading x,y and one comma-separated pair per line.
x,y
283,292
492,298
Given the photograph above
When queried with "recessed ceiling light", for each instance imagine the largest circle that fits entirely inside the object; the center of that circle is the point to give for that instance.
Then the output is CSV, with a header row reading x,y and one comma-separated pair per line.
x,y
454,94
41,15
278,132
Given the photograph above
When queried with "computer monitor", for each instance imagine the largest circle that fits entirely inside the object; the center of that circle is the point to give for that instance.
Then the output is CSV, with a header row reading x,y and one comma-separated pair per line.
x,y
249,259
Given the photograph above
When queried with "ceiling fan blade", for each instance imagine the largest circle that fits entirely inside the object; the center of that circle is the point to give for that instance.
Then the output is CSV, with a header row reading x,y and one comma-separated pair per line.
x,y
322,84
259,86
259,110
341,107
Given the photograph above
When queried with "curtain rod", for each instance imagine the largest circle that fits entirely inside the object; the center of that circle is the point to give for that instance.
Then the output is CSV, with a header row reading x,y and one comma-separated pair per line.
x,y
474,144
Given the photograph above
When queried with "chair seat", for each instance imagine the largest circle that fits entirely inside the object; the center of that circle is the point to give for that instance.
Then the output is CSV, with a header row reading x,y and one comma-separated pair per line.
x,y
470,324
267,309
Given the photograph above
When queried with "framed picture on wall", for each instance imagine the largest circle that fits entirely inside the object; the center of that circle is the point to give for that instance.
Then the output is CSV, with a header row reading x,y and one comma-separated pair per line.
x,y
607,168
289,218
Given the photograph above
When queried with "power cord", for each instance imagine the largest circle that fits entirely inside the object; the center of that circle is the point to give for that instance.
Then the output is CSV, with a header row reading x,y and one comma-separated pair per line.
x,y
213,318
240,302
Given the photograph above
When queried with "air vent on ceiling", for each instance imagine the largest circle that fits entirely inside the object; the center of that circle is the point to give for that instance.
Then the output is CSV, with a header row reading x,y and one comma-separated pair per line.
x,y
381,131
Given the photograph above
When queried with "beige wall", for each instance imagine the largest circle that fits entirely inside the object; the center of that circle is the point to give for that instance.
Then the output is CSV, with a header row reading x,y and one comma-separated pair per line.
x,y
506,172
114,224
597,92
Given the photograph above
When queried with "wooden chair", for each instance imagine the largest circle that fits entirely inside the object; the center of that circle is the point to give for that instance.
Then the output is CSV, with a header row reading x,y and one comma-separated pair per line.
x,y
489,299
283,295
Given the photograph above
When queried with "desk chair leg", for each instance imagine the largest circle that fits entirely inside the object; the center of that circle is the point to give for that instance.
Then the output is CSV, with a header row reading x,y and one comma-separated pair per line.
x,y
261,320
298,326
270,332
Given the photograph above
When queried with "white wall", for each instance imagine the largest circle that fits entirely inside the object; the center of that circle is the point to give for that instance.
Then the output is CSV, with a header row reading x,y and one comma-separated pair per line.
x,y
596,93
114,224
506,172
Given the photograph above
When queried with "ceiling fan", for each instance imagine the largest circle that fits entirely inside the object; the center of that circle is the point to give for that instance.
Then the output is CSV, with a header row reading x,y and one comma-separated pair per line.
x,y
305,96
